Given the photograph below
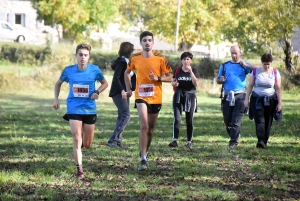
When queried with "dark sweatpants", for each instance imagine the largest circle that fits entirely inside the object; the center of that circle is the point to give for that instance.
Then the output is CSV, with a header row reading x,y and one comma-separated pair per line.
x,y
233,116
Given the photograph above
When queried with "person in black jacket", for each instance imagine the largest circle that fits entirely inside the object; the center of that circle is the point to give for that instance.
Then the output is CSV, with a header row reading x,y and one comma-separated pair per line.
x,y
119,95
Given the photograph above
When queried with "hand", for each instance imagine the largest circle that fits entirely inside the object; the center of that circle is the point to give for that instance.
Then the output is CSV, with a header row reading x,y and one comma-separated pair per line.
x,y
129,93
95,96
124,95
242,63
56,104
222,79
152,76
279,107
189,68
175,83
246,103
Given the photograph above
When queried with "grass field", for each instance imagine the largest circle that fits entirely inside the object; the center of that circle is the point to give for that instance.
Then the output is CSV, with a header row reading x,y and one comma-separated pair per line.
x,y
36,160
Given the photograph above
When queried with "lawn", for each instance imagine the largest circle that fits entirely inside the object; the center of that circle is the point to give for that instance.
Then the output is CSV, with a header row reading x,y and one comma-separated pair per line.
x,y
36,161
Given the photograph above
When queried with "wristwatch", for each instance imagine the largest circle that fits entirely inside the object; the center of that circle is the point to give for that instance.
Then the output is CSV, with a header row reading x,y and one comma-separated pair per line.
x,y
158,79
97,92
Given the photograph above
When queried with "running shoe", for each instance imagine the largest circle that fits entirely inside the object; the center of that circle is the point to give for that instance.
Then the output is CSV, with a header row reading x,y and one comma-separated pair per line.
x,y
112,144
79,174
143,165
189,145
121,145
173,144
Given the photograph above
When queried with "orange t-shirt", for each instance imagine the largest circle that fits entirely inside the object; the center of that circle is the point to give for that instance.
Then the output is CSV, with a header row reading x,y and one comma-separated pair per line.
x,y
146,89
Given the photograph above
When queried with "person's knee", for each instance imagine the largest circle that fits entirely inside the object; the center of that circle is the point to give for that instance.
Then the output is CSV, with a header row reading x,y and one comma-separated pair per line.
x,y
76,138
226,122
150,131
189,124
144,127
76,135
177,121
87,145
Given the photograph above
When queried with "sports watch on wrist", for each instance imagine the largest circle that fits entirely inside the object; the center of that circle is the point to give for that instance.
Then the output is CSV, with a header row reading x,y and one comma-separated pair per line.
x,y
158,78
97,92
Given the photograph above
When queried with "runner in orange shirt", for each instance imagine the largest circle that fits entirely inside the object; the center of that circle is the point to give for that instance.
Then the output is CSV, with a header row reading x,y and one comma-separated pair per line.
x,y
151,69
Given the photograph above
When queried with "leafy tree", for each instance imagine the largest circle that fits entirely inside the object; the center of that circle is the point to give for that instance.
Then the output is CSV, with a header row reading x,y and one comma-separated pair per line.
x,y
199,19
76,15
258,23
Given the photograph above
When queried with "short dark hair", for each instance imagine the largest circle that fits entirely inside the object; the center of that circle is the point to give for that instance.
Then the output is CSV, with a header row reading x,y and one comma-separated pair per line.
x,y
266,57
186,54
83,46
126,48
145,33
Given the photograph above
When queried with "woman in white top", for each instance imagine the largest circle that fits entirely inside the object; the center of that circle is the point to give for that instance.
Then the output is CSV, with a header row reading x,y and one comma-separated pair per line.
x,y
265,99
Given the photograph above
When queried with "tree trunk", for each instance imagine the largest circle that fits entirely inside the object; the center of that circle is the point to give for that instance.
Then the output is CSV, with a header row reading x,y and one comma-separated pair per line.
x,y
288,54
185,46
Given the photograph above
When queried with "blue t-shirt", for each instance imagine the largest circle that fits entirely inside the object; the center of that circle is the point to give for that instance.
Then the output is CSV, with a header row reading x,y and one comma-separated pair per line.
x,y
235,76
82,86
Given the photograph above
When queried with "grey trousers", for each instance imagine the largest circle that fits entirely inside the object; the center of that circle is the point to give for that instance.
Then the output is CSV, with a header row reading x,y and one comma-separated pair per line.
x,y
122,119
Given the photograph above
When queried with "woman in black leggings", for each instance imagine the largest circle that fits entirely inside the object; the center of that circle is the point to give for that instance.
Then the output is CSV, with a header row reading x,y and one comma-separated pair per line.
x,y
185,81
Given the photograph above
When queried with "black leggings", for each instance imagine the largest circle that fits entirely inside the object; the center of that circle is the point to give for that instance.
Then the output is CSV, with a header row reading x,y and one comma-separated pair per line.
x,y
189,118
263,118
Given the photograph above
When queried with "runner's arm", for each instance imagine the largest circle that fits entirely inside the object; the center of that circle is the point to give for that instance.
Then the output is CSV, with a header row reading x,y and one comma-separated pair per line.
x,y
167,77
56,94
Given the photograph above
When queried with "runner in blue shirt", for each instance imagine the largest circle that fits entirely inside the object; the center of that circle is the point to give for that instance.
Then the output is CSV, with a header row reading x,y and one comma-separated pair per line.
x,y
81,105
232,75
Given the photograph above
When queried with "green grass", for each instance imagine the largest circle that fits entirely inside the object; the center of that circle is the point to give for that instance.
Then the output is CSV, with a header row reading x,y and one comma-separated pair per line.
x,y
7,67
36,157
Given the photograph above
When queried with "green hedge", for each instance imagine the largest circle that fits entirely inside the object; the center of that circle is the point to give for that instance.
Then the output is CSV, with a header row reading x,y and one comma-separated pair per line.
x,y
206,67
22,53
62,55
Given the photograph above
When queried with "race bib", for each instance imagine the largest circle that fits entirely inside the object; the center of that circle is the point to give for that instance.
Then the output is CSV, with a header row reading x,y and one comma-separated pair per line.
x,y
146,90
81,91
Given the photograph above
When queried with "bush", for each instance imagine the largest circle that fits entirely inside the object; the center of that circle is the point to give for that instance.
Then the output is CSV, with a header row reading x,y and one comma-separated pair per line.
x,y
22,53
103,59
208,68
60,55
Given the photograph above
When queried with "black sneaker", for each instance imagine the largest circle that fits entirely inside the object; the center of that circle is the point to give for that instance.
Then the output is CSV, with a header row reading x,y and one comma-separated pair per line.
x,y
143,165
173,144
233,145
261,144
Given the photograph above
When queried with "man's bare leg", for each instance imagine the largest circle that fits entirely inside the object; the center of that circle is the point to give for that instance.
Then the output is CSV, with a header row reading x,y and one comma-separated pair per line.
x,y
76,129
151,124
143,118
